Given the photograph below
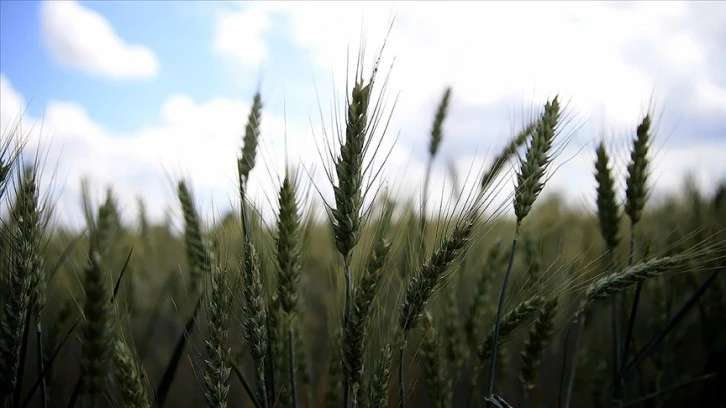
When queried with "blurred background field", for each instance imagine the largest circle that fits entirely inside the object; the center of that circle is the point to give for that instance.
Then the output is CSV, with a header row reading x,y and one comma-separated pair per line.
x,y
562,240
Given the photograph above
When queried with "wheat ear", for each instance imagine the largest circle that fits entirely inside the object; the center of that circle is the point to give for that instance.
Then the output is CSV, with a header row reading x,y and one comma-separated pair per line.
x,y
246,162
608,213
129,376
254,321
540,335
346,216
289,268
24,283
381,377
198,255
422,285
97,330
530,181
217,364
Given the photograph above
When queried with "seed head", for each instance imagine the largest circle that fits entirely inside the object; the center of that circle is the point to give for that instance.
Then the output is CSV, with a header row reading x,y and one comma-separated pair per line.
x,y
636,182
249,149
607,208
437,130
530,177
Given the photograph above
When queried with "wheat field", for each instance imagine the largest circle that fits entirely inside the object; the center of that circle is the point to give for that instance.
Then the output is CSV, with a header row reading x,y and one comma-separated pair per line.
x,y
376,303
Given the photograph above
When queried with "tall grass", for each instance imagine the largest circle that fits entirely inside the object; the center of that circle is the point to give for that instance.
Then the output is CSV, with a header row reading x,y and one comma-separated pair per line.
x,y
241,311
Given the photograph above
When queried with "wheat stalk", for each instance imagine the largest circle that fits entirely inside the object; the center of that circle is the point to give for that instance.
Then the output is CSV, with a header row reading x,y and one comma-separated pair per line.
x,y
437,379
530,181
356,327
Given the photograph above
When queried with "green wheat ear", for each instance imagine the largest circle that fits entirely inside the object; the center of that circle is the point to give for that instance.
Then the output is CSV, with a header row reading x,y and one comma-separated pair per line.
x,y
435,370
253,317
539,336
289,263
421,286
530,177
97,331
378,394
636,182
349,170
614,283
437,129
288,247
24,280
246,162
509,323
129,376
607,207
198,254
217,364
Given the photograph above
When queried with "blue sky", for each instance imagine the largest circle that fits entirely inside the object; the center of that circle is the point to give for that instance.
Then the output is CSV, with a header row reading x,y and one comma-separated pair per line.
x,y
137,94
179,33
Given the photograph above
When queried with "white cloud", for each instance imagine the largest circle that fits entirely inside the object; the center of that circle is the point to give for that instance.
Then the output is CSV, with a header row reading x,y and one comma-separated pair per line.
x,y
610,62
199,140
240,35
502,60
81,38
608,59
12,104
712,97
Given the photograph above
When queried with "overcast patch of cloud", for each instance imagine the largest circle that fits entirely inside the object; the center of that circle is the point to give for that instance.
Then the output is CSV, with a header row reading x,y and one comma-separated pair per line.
x,y
198,140
611,63
502,60
611,60
240,36
83,39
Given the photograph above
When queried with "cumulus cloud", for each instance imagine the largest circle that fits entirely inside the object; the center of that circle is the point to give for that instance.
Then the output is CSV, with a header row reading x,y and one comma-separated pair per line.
x,y
81,38
597,53
197,140
200,140
240,36
12,104
610,62
607,60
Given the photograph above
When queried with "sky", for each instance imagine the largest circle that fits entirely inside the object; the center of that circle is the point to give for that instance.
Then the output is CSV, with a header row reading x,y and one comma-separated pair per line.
x,y
136,95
